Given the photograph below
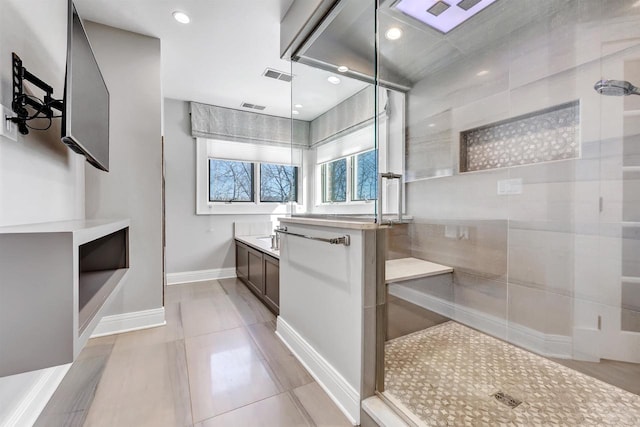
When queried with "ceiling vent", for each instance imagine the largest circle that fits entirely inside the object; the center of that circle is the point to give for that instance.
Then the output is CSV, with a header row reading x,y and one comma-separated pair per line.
x,y
467,4
253,106
278,75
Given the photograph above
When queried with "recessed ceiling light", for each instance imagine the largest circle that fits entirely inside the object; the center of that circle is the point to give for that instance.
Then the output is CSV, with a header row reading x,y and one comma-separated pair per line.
x,y
181,17
294,112
343,69
333,80
482,73
393,33
432,125
298,105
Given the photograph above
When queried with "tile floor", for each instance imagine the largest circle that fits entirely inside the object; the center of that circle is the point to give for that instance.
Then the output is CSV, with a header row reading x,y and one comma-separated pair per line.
x,y
448,374
217,362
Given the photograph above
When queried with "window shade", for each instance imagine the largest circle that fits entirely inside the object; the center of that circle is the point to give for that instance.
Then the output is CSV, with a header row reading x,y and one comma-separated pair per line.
x,y
249,152
352,143
211,121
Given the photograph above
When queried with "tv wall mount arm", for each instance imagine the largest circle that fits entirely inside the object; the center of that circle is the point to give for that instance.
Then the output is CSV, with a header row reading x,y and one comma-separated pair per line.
x,y
43,107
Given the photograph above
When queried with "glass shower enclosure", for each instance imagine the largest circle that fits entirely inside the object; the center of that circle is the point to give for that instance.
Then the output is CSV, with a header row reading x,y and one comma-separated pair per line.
x,y
515,126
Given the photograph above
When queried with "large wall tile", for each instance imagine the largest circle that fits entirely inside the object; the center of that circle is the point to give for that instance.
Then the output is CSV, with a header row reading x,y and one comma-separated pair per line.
x,y
540,310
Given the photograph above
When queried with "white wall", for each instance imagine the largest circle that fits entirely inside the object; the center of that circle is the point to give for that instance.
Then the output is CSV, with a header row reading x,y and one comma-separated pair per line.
x,y
194,242
41,180
130,64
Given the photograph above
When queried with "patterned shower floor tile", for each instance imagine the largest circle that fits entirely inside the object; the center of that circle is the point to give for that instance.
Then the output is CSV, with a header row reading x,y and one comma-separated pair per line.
x,y
448,375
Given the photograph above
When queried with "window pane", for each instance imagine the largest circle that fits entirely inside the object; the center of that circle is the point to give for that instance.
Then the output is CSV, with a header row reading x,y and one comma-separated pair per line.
x,y
230,181
278,183
334,181
365,182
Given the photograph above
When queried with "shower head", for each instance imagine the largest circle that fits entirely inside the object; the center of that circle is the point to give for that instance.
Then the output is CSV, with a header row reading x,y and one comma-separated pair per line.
x,y
616,88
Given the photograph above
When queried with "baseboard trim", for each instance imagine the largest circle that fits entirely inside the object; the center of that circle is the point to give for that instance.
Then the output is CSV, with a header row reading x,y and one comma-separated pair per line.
x,y
128,322
550,345
200,275
26,412
335,385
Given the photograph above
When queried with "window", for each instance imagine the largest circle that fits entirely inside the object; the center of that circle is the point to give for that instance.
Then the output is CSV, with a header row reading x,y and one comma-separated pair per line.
x,y
228,177
230,181
235,181
365,176
278,183
358,182
334,181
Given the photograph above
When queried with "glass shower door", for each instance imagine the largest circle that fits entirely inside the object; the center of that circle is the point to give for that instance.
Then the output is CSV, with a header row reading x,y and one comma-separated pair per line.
x,y
334,96
523,179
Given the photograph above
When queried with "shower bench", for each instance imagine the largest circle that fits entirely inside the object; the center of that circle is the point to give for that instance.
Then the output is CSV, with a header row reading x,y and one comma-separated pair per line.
x,y
398,270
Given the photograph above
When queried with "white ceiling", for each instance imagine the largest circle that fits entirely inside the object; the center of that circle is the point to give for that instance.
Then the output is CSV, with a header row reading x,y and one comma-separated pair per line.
x,y
219,58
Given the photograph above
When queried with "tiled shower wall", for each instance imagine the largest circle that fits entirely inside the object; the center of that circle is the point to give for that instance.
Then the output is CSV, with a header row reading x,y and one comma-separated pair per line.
x,y
547,255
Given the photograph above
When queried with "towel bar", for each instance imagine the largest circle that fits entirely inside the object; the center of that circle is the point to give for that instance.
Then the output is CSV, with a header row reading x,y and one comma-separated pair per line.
x,y
342,240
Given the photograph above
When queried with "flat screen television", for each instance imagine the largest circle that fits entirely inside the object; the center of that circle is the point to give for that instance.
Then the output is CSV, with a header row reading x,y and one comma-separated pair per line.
x,y
85,117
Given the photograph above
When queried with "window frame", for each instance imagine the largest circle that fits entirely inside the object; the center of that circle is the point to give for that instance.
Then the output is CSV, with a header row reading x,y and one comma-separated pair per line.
x,y
256,196
205,207
323,181
296,187
354,176
350,193
253,181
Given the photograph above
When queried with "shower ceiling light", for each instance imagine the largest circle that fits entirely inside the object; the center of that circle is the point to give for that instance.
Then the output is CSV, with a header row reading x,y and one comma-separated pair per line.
x,y
343,68
333,79
295,112
181,17
450,13
393,33
482,73
298,105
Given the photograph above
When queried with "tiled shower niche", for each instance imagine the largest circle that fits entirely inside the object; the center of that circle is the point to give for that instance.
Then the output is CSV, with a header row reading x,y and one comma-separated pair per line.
x,y
541,136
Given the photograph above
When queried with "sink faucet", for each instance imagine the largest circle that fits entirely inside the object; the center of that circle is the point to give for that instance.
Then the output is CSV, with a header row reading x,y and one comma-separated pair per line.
x,y
275,241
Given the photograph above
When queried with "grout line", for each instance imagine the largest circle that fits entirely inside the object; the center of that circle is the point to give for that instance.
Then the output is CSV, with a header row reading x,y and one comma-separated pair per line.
x,y
301,407
239,407
186,359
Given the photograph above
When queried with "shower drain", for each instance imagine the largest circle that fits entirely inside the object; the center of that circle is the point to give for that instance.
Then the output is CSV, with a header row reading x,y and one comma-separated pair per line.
x,y
505,399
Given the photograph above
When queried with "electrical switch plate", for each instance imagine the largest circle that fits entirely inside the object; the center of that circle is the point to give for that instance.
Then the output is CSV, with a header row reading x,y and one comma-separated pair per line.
x,y
8,129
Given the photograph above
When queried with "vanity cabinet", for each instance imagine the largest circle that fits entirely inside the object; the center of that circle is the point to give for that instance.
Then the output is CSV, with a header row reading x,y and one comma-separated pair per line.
x,y
242,261
255,279
261,273
272,282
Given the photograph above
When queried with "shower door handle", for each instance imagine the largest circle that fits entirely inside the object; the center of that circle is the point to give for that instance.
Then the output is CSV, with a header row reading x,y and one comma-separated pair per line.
x,y
388,175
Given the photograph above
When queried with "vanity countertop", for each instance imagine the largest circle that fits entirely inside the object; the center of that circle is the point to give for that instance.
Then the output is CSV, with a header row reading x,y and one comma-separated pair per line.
x,y
354,224
261,243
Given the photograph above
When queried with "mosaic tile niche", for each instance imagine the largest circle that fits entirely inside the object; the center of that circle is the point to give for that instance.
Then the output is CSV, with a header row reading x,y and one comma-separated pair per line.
x,y
541,136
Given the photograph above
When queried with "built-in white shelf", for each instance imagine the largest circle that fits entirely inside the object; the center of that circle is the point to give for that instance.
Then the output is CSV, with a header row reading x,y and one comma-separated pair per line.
x,y
631,279
412,268
56,283
631,113
631,168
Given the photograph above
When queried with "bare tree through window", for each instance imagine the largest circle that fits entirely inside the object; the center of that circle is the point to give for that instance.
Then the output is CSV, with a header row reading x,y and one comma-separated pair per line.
x,y
230,181
334,177
365,183
278,183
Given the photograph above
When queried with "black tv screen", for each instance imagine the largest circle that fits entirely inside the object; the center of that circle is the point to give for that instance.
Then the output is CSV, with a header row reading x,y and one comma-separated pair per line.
x,y
85,122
